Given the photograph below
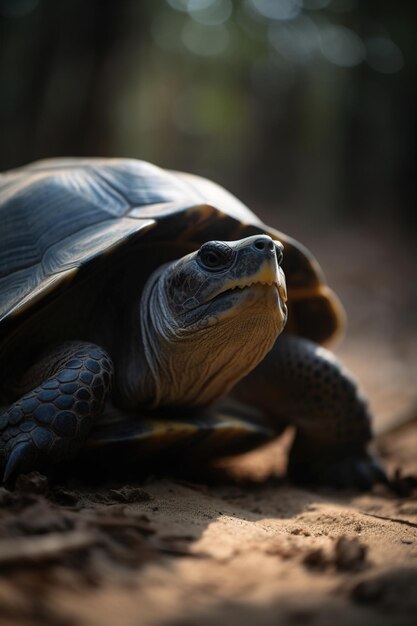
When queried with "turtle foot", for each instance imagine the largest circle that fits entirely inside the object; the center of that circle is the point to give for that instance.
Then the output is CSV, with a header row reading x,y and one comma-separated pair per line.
x,y
49,424
25,451
342,468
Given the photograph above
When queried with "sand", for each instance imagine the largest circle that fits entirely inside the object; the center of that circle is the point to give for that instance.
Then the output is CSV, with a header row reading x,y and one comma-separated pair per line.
x,y
235,551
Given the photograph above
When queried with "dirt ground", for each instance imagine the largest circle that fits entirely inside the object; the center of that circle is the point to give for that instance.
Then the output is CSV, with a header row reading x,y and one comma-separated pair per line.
x,y
245,547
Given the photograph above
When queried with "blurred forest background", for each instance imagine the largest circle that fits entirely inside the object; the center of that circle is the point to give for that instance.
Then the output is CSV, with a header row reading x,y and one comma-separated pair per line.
x,y
308,104
305,109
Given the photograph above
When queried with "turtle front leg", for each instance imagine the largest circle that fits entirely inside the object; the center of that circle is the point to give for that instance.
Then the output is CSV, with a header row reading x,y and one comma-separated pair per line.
x,y
62,395
300,383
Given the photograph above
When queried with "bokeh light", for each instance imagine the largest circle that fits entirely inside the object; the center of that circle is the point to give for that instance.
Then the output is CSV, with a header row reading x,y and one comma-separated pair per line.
x,y
283,99
213,13
383,55
271,9
341,46
203,39
296,40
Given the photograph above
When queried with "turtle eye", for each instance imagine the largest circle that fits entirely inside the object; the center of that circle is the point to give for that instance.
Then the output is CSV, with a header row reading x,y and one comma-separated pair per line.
x,y
211,259
214,256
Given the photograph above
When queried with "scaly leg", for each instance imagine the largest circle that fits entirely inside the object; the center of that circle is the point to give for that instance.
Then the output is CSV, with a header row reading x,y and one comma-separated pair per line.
x,y
62,395
300,383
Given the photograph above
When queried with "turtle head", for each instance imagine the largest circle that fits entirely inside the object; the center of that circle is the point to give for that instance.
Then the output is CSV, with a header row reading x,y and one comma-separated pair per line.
x,y
210,317
227,280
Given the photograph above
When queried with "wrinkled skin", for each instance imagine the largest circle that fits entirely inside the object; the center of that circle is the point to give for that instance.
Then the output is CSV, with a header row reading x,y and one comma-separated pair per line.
x,y
226,301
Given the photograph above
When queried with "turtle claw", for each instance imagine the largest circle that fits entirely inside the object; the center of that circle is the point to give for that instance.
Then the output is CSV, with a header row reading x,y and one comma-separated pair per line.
x,y
22,458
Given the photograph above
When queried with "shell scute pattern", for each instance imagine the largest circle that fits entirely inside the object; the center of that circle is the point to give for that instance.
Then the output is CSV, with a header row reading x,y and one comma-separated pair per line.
x,y
59,212
56,219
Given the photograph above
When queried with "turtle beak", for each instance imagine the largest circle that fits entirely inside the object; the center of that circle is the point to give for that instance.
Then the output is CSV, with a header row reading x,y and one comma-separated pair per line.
x,y
259,265
223,269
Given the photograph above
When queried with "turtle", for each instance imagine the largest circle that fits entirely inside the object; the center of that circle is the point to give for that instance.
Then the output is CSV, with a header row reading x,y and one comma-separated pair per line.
x,y
150,314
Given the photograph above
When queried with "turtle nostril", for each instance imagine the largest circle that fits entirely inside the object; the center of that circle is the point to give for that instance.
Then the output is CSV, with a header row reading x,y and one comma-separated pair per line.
x,y
264,243
261,244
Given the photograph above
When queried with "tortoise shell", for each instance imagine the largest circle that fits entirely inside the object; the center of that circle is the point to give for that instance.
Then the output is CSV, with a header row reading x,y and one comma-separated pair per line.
x,y
59,216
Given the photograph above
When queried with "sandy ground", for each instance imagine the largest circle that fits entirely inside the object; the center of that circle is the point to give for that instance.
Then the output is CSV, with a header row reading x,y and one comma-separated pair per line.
x,y
239,552
244,547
